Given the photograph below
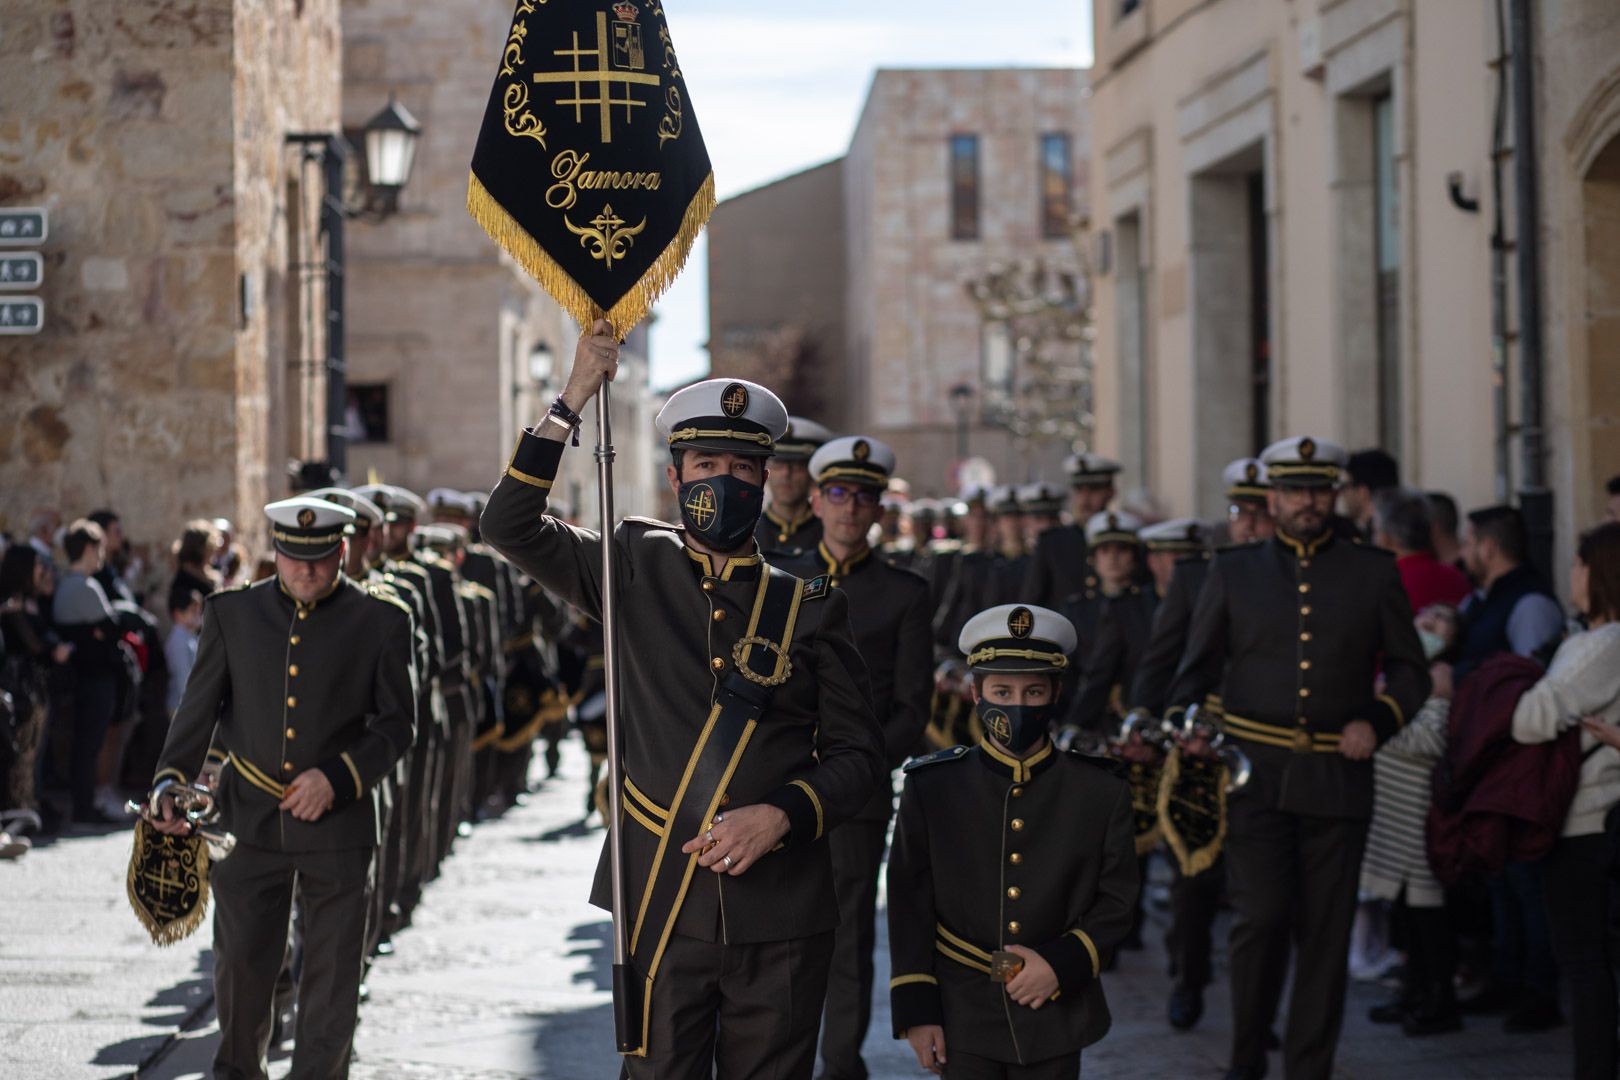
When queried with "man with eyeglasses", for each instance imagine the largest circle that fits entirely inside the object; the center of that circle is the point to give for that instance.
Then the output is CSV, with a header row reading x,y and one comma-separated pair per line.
x,y
890,610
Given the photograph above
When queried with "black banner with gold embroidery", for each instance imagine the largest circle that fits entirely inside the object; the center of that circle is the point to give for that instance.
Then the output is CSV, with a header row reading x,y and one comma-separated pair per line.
x,y
590,169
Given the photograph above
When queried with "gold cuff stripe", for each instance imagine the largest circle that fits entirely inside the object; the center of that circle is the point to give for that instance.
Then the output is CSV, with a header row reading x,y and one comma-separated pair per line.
x,y
257,777
1056,659
1400,717
961,944
166,774
532,481
646,822
909,980
951,954
647,805
690,433
814,801
359,788
1091,947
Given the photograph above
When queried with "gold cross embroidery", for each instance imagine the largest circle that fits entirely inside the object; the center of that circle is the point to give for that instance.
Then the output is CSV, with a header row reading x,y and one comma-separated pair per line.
x,y
603,77
165,883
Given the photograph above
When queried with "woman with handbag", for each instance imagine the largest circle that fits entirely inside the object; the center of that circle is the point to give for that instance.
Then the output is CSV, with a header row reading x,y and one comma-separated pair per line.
x,y
1582,687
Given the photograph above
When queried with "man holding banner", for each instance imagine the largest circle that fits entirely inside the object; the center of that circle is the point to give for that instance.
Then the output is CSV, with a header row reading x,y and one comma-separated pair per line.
x,y
748,732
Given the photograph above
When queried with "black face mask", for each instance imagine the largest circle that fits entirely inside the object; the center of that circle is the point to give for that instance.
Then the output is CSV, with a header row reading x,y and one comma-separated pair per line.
x,y
1017,727
721,511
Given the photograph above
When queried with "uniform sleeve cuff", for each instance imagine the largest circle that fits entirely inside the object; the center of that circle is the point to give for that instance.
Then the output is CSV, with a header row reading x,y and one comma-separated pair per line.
x,y
534,460
799,801
170,774
914,1001
1074,959
344,778
1386,717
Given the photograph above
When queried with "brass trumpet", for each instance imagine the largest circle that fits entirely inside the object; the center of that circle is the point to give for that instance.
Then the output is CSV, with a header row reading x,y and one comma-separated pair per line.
x,y
1193,729
196,804
1158,735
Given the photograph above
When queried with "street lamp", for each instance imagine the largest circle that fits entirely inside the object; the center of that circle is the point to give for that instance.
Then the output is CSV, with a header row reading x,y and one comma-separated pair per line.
x,y
540,363
962,401
390,142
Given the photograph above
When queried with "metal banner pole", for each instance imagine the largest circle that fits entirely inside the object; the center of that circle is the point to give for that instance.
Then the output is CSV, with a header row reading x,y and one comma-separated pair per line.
x,y
627,988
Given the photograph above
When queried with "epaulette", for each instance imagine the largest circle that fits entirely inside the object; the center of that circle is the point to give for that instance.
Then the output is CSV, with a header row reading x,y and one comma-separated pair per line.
x,y
217,593
1111,765
654,522
386,594
954,753
817,587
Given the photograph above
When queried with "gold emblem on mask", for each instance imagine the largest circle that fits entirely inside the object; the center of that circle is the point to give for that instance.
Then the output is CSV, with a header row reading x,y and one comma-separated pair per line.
x,y
998,725
701,506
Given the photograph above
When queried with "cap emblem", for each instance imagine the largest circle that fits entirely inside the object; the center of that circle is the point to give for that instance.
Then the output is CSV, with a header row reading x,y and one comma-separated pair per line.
x,y
1113,522
997,724
734,402
861,450
700,505
306,518
1020,622
1251,472
1307,449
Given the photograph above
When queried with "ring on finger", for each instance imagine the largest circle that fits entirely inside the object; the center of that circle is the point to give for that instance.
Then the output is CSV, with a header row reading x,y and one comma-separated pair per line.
x,y
718,818
727,860
709,836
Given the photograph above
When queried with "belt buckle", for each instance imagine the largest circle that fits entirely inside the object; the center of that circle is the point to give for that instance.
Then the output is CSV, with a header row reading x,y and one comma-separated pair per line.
x,y
1302,741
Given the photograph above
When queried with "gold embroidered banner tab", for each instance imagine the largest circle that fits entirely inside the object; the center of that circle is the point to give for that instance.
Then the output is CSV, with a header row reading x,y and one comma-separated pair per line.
x,y
590,169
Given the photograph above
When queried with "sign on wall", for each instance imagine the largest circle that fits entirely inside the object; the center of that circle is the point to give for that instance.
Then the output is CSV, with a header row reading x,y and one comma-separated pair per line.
x,y
21,314
21,271
24,226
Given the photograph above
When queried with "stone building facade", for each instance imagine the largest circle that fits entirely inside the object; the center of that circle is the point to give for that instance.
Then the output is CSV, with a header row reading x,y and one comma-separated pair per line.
x,y
943,182
1293,207
154,132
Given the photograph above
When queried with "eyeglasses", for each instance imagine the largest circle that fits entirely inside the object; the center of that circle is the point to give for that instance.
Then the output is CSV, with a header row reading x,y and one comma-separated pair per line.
x,y
838,495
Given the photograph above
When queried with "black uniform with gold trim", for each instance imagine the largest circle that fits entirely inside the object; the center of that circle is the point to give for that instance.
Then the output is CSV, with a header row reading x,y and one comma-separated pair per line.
x,y
791,535
1118,645
889,610
815,753
1057,567
1295,636
993,850
284,687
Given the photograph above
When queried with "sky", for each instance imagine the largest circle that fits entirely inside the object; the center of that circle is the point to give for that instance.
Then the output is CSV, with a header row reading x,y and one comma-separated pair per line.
x,y
777,87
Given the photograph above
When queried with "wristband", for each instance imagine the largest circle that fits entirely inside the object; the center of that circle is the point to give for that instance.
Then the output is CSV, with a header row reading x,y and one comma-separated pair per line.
x,y
566,416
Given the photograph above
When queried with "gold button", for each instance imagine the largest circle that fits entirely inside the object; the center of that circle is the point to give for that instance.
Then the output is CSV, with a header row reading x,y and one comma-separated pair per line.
x,y
1017,824
1014,893
1306,636
296,639
719,615
292,669
1304,665
1304,562
717,663
708,586
303,614
1014,927
291,734
1305,609
292,703
782,537
286,766
1018,793
1304,691
1015,858
1304,586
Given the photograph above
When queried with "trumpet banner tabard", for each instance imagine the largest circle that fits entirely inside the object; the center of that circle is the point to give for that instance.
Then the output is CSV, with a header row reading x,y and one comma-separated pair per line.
x,y
590,169
167,883
1192,810
1144,781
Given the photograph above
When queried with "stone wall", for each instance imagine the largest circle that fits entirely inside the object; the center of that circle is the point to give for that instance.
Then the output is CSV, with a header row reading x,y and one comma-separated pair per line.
x,y
153,131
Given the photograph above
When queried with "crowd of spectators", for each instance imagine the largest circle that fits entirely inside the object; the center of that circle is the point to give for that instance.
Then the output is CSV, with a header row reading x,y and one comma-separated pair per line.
x,y
97,638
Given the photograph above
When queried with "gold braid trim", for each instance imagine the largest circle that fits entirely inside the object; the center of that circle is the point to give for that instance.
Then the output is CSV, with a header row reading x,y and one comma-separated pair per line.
x,y
634,305
170,933
1195,862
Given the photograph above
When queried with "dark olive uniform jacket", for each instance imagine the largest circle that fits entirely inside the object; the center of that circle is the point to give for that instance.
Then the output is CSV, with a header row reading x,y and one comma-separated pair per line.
x,y
331,686
1057,569
990,852
816,753
1150,683
1302,632
1120,640
889,609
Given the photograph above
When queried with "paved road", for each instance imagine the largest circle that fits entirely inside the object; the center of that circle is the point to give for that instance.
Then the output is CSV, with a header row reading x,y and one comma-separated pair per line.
x,y
504,975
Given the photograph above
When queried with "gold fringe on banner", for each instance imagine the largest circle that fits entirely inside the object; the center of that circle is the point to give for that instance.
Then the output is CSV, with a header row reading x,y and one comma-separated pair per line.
x,y
633,307
168,927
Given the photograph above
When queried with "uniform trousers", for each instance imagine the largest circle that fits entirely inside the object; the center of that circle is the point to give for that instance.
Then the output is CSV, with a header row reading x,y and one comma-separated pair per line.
x,y
857,855
457,747
744,1012
1577,875
963,1066
1194,902
253,896
1293,879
